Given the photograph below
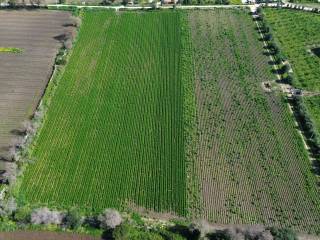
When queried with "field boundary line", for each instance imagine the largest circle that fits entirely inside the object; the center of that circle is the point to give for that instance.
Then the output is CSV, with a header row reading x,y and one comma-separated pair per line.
x,y
137,8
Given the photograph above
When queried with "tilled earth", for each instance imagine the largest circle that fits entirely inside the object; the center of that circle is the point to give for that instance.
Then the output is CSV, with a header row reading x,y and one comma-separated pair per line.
x,y
24,76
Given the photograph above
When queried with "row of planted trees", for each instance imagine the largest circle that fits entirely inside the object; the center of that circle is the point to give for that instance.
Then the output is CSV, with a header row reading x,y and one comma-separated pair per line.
x,y
279,58
124,226
284,70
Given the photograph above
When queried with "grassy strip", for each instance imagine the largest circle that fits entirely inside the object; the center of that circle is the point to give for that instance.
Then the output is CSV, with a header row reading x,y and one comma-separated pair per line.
x,y
10,50
189,115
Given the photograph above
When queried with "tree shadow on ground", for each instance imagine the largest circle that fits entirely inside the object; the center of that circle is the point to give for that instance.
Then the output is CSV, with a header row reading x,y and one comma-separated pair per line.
x,y
185,232
61,38
107,235
18,132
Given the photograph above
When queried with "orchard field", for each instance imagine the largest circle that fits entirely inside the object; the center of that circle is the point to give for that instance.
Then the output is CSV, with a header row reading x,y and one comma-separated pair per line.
x,y
114,130
297,33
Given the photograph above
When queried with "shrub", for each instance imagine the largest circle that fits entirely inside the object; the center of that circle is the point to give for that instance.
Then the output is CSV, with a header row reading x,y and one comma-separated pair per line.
x,y
110,218
285,68
10,206
92,221
268,37
72,219
283,234
128,232
219,235
23,215
307,124
289,79
11,172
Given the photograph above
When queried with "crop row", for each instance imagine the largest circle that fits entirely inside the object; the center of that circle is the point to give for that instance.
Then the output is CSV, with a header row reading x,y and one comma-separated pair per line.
x,y
114,132
250,159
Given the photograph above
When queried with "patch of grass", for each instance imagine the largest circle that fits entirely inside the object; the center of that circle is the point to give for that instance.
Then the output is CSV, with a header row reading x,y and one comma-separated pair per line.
x,y
114,131
10,50
235,2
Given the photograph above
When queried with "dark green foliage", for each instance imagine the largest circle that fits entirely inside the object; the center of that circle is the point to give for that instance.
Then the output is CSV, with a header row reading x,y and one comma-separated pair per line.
x,y
188,232
219,235
23,215
285,68
283,234
128,232
72,219
92,221
268,37
289,79
307,124
222,2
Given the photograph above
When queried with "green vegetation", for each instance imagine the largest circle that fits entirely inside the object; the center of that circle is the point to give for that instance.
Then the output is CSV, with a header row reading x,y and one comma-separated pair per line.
x,y
308,3
114,132
296,32
10,50
298,36
112,225
313,105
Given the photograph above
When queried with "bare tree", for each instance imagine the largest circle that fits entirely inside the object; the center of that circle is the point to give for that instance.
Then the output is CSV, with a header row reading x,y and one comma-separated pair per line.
x,y
76,22
235,234
110,218
10,205
67,43
202,226
46,216
28,127
11,172
266,235
252,232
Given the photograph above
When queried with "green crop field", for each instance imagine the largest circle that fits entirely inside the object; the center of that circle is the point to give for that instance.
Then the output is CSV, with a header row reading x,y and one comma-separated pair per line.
x,y
114,132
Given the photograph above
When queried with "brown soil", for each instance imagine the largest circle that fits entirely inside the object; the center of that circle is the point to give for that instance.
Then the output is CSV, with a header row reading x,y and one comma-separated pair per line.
x,y
24,76
23,235
249,160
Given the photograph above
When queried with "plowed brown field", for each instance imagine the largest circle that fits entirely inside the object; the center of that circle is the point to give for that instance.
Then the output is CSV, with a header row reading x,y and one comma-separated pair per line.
x,y
24,76
250,159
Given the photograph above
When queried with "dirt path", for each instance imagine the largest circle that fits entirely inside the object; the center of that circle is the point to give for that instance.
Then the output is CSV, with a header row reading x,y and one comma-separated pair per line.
x,y
34,235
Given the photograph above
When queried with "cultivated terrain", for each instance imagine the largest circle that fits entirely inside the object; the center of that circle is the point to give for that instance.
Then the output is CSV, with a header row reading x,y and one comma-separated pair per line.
x,y
24,75
115,124
162,110
250,159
